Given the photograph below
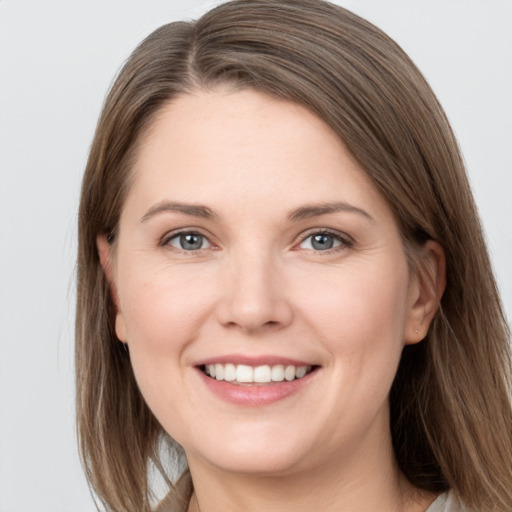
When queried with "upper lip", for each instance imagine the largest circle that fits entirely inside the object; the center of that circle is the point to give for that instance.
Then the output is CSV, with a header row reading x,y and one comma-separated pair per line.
x,y
255,361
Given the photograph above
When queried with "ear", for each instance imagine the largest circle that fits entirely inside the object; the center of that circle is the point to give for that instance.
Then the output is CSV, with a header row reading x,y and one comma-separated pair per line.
x,y
425,291
104,252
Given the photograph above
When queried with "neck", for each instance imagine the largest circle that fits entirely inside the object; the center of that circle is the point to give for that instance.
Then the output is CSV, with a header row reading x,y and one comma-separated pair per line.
x,y
362,481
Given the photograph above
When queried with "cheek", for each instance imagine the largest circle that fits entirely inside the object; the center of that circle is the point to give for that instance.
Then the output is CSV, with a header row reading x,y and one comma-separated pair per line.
x,y
164,312
162,307
358,298
360,316
360,324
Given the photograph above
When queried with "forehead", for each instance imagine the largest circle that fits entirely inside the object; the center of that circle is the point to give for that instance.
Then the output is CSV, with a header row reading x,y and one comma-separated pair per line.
x,y
227,118
244,148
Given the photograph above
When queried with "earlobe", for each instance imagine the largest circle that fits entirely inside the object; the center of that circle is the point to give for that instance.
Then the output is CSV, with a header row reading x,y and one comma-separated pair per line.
x,y
427,288
104,253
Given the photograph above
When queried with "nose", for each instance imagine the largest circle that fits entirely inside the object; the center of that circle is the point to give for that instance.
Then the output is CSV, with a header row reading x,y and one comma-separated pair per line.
x,y
254,295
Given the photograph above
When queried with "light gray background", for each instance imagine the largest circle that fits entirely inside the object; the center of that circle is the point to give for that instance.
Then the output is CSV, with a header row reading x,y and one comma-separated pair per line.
x,y
57,59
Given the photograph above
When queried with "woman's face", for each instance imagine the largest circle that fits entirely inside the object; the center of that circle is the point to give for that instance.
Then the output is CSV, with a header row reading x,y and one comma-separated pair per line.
x,y
253,247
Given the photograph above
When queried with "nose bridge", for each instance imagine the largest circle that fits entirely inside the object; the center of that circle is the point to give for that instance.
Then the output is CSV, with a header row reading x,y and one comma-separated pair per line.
x,y
254,292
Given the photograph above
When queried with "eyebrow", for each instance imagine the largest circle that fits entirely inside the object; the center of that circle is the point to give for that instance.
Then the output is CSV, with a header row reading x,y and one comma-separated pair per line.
x,y
315,210
194,210
302,213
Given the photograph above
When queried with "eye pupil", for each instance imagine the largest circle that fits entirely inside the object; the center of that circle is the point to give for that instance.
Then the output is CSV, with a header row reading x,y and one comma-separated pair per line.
x,y
322,241
191,241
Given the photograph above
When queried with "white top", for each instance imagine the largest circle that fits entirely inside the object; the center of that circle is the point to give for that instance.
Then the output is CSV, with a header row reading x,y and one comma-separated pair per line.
x,y
446,502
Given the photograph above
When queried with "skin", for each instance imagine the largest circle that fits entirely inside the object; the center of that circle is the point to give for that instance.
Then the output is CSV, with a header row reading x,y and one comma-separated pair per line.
x,y
258,287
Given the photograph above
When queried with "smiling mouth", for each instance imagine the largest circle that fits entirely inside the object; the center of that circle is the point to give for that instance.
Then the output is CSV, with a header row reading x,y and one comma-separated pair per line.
x,y
245,375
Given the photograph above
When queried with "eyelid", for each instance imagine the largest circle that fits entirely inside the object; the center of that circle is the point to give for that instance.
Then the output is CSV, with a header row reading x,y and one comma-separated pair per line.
x,y
345,240
170,235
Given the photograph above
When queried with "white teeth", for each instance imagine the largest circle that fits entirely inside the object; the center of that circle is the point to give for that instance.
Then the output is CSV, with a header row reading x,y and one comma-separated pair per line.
x,y
278,373
260,374
244,373
300,371
229,372
289,372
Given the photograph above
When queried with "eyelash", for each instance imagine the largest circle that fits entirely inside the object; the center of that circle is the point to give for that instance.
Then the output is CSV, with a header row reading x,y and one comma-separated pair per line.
x,y
344,241
176,235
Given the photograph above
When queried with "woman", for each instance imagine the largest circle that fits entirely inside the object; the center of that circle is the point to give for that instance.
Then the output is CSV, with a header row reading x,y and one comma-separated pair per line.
x,y
283,278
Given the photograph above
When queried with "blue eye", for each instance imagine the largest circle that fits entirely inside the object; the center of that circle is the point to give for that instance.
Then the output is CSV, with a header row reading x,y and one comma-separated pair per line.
x,y
323,241
188,241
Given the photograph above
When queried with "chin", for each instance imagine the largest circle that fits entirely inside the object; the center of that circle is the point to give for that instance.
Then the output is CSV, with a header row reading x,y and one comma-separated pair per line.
x,y
262,465
255,455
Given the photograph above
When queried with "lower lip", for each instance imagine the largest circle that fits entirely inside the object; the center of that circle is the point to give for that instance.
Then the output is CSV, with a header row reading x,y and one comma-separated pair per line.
x,y
257,395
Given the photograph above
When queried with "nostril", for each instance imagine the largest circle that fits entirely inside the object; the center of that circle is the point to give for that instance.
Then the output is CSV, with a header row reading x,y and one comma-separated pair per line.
x,y
255,315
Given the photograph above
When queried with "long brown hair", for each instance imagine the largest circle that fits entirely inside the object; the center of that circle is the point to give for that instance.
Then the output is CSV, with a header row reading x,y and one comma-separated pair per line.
x,y
451,416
